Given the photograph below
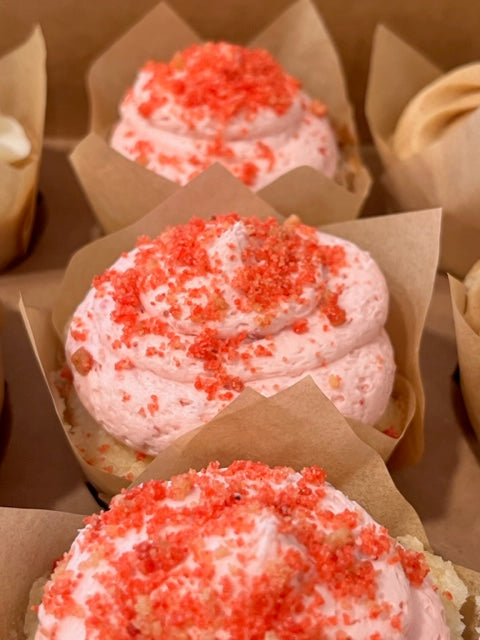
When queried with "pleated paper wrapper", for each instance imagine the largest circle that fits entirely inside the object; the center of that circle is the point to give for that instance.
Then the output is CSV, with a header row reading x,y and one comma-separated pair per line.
x,y
405,246
121,191
23,89
442,174
468,350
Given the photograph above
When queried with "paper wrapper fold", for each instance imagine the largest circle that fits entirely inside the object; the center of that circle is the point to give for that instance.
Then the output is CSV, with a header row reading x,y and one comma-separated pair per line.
x,y
444,173
120,191
287,429
468,350
23,88
2,372
404,245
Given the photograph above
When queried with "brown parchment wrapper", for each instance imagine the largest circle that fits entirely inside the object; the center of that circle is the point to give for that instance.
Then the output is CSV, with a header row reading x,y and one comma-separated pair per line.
x,y
404,245
468,350
2,371
298,427
443,174
23,88
120,191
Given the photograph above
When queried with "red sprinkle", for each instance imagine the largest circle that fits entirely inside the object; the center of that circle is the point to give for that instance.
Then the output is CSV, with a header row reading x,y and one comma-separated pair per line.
x,y
123,364
248,173
300,326
83,361
266,152
391,431
142,150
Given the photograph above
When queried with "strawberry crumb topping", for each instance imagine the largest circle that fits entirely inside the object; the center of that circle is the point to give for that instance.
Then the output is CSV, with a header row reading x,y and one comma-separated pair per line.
x,y
219,79
82,360
226,103
274,268
214,553
392,431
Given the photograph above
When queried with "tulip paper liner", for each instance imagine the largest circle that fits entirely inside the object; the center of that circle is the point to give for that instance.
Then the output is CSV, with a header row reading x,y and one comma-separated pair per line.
x,y
468,350
23,89
405,246
2,370
441,174
121,191
298,427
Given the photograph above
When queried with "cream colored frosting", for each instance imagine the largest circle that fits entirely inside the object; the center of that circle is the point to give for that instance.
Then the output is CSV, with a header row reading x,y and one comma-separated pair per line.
x,y
165,142
209,548
14,143
150,388
438,108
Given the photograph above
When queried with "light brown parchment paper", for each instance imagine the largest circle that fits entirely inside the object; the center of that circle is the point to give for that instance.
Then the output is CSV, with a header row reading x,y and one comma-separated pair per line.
x,y
120,191
404,245
23,88
468,349
2,372
298,427
442,174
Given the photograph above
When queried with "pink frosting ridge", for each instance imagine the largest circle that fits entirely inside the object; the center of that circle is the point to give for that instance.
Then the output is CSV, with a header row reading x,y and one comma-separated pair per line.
x,y
243,552
179,325
224,103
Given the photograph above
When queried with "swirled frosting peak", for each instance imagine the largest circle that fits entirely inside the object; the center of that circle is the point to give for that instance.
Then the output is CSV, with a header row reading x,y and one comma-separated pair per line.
x,y
176,328
243,552
226,103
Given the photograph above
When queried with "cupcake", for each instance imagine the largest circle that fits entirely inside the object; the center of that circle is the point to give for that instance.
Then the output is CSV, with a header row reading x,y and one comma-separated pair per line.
x,y
218,552
178,326
221,102
406,248
186,103
23,88
426,130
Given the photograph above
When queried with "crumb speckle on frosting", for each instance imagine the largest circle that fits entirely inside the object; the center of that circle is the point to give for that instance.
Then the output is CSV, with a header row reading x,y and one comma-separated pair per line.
x,y
278,262
211,554
220,78
206,308
222,102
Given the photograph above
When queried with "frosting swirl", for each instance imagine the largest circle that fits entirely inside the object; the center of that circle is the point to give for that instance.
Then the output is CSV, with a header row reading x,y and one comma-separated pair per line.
x,y
212,554
220,102
437,109
176,328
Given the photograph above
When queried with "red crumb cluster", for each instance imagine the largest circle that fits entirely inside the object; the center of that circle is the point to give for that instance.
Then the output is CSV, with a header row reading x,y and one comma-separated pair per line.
x,y
216,82
221,80
196,570
277,264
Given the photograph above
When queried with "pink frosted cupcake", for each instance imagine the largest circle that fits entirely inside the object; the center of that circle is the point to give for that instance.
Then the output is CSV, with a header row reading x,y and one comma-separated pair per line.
x,y
245,552
175,329
220,102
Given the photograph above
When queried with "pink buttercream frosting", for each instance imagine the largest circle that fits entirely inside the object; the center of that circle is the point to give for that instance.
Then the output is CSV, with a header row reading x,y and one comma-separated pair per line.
x,y
242,552
224,103
179,325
